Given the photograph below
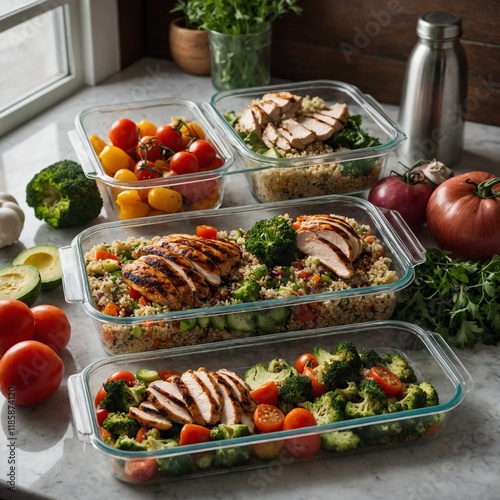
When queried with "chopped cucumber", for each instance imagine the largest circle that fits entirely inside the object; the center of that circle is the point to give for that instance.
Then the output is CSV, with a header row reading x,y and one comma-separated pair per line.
x,y
203,321
187,324
279,314
218,322
265,323
22,282
146,375
241,322
46,259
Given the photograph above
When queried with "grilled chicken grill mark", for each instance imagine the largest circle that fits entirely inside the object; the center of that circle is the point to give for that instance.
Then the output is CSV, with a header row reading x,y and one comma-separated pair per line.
x,y
203,397
150,419
168,407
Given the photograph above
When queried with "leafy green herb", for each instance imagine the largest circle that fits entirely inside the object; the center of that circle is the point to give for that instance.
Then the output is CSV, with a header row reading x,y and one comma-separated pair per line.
x,y
352,136
456,298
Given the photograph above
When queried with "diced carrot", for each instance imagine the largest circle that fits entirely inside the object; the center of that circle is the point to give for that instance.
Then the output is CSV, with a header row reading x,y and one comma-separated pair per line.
x,y
315,278
142,301
103,255
111,309
370,239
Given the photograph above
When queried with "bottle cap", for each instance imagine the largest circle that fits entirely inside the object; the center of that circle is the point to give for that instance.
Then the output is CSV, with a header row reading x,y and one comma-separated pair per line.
x,y
439,26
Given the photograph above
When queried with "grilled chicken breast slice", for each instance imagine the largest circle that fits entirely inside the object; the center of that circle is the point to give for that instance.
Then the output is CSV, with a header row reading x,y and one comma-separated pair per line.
x,y
211,384
189,400
330,120
231,409
271,109
201,262
150,419
240,390
152,283
248,122
288,103
168,407
298,131
203,397
323,131
196,281
329,255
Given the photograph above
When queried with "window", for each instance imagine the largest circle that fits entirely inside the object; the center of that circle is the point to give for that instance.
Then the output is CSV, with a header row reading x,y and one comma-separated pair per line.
x,y
49,49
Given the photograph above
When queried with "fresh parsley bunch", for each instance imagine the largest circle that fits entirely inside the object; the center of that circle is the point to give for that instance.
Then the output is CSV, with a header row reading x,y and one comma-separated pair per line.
x,y
456,298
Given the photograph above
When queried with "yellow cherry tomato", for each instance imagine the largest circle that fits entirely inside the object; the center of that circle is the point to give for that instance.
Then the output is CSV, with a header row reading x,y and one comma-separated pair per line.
x,y
97,144
162,166
113,159
146,128
165,199
131,205
124,174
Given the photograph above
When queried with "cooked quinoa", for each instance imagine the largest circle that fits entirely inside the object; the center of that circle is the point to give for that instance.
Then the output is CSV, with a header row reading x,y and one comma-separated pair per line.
x,y
305,277
317,179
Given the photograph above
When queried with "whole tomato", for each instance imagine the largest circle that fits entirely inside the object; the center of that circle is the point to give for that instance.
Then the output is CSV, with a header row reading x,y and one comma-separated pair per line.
x,y
124,134
408,193
52,326
30,372
463,215
16,323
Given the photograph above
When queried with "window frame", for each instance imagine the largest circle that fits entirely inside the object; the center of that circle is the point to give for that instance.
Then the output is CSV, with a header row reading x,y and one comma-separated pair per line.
x,y
90,60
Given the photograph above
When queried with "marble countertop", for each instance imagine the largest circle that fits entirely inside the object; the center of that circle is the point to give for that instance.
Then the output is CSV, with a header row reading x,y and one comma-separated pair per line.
x,y
52,463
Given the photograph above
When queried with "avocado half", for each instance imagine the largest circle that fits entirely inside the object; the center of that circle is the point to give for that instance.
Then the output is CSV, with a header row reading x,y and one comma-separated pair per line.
x,y
46,259
20,282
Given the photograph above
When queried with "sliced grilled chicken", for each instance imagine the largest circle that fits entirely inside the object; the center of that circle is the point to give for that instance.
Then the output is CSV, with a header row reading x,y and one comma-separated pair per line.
x,y
150,419
231,409
211,384
272,137
261,117
168,407
176,278
294,141
323,131
240,390
329,255
288,103
189,400
196,281
151,283
330,120
248,122
203,397
338,111
271,109
201,262
304,135
331,232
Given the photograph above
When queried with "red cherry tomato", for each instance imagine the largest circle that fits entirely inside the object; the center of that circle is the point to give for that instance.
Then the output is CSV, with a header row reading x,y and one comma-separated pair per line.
x,y
52,326
30,372
306,359
140,470
101,415
17,323
318,388
129,377
266,394
124,133
145,170
169,137
268,418
205,231
204,151
194,433
101,394
148,148
165,374
216,163
387,380
184,162
302,446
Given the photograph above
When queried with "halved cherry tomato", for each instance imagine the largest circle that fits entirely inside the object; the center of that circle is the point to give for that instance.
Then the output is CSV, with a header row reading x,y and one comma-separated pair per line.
x,y
141,434
134,294
306,359
101,415
205,231
318,388
387,380
141,469
101,394
184,162
204,151
129,377
303,446
103,255
165,374
194,433
266,394
169,137
268,418
124,133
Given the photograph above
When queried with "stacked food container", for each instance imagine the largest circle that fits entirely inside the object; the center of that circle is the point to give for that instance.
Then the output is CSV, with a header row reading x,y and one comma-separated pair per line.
x,y
302,305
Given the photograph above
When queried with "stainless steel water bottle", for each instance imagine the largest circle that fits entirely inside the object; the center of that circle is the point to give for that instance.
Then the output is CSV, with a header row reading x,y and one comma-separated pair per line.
x,y
433,100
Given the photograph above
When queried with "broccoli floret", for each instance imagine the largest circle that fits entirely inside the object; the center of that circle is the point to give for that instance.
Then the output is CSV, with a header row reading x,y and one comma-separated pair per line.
x,y
343,351
339,441
228,431
413,397
296,389
431,394
273,241
400,367
349,393
278,370
327,408
369,357
337,374
120,397
247,291
203,460
373,402
63,196
121,424
129,443
386,433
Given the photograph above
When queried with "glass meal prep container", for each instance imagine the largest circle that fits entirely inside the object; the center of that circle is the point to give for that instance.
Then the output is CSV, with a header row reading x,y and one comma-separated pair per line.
x,y
427,353
199,190
370,295
312,173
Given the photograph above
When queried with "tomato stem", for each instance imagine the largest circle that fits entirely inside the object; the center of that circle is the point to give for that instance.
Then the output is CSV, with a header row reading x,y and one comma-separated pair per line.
x,y
411,175
485,189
